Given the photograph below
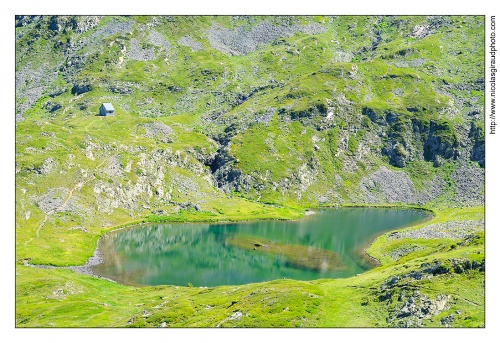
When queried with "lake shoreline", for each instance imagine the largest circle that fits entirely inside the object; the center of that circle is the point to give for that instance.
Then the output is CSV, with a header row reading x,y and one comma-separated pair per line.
x,y
97,257
365,257
359,257
84,269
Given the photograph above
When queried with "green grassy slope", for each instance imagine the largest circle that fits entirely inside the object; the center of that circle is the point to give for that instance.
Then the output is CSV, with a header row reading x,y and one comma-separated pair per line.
x,y
241,118
59,297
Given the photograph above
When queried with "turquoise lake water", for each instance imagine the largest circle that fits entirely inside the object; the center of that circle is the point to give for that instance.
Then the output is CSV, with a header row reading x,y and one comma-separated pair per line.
x,y
202,254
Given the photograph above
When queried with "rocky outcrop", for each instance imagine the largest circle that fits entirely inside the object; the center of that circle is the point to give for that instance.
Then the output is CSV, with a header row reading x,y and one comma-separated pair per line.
x,y
51,200
86,23
81,88
155,183
416,308
48,166
158,130
51,106
221,166
113,167
431,26
413,139
410,140
112,28
23,20
477,150
235,316
123,88
440,141
420,31
407,306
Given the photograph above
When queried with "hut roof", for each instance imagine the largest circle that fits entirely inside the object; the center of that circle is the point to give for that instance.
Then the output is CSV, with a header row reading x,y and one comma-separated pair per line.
x,y
108,106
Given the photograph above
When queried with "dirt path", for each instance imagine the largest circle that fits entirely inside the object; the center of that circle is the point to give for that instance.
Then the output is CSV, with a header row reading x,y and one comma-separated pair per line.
x,y
60,208
120,59
78,186
87,127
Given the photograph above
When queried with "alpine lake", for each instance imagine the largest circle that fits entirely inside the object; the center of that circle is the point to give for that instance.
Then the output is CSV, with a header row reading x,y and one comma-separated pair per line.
x,y
327,244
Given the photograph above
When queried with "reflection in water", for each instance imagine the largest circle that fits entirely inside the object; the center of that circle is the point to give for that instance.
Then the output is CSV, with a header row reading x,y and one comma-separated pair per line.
x,y
239,253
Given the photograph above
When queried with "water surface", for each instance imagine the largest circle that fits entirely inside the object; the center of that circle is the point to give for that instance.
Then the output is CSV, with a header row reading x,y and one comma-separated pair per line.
x,y
328,244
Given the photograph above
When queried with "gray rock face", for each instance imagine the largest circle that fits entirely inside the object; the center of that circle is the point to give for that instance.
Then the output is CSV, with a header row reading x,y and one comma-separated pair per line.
x,y
190,43
397,152
242,41
433,23
478,152
412,140
225,176
54,24
435,140
266,116
417,62
476,139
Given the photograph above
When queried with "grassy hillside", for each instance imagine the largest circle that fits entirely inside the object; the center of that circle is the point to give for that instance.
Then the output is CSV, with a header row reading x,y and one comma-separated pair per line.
x,y
440,283
240,118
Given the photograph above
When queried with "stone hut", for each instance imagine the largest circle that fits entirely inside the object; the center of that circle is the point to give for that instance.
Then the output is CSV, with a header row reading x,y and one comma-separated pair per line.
x,y
106,109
